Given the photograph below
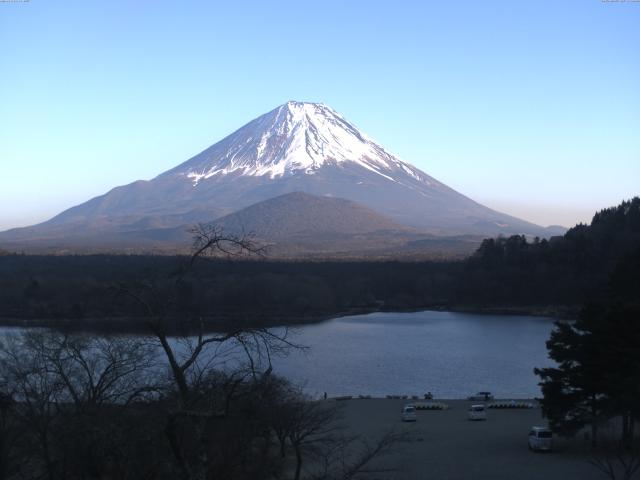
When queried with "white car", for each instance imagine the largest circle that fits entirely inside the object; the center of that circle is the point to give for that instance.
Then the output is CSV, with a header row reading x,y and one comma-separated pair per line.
x,y
540,439
408,414
477,412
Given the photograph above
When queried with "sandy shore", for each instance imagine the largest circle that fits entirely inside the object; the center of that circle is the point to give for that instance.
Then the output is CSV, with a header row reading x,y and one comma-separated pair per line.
x,y
444,445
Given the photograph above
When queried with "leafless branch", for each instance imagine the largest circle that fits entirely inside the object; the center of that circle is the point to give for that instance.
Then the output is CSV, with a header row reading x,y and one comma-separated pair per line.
x,y
210,239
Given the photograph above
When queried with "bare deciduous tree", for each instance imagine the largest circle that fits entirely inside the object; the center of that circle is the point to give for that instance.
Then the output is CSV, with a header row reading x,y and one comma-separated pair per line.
x,y
319,439
350,457
190,358
257,343
67,392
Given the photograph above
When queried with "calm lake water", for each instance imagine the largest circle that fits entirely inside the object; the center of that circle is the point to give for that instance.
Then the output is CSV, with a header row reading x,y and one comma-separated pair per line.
x,y
450,354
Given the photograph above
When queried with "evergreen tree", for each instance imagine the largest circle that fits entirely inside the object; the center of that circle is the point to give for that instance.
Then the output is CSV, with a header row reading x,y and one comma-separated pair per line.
x,y
597,376
573,394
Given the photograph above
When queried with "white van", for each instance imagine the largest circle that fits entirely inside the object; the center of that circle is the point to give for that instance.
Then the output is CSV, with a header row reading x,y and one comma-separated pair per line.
x,y
477,412
540,439
408,414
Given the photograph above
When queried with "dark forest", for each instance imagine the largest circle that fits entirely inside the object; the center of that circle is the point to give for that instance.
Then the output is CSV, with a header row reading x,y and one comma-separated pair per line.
x,y
513,274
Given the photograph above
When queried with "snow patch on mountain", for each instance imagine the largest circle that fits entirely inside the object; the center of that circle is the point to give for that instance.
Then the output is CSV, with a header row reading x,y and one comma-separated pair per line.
x,y
296,138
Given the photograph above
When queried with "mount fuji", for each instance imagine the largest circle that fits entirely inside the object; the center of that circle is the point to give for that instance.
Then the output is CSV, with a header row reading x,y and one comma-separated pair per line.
x,y
297,147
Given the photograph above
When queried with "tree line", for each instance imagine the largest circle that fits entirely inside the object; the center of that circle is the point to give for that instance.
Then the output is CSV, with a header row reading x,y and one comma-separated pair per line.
x,y
510,273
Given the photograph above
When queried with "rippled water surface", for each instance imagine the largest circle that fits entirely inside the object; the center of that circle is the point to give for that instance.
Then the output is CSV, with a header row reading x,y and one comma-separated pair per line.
x,y
449,354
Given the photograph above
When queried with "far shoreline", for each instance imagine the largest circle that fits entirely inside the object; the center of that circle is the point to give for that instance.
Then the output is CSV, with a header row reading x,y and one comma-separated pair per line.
x,y
137,325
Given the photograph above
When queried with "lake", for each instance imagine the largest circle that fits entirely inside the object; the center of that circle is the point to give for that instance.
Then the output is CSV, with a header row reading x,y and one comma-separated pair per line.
x,y
450,354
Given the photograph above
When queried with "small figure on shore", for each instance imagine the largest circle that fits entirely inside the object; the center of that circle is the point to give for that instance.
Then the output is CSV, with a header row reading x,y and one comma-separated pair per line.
x,y
325,395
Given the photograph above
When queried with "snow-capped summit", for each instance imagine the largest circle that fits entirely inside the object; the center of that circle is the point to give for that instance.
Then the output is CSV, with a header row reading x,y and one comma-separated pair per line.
x,y
295,138
297,147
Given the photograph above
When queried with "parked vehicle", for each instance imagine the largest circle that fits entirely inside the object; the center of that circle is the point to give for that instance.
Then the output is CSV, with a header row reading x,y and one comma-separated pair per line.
x,y
485,396
540,439
408,414
477,412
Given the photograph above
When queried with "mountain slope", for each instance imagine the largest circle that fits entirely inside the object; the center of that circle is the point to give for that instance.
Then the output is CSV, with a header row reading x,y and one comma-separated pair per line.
x,y
295,214
297,147
302,225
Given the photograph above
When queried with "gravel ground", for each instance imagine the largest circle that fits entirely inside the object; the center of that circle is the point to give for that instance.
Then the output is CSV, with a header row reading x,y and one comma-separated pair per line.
x,y
445,445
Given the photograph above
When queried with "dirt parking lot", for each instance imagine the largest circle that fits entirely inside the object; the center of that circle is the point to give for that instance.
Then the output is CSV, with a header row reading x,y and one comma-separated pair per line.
x,y
445,445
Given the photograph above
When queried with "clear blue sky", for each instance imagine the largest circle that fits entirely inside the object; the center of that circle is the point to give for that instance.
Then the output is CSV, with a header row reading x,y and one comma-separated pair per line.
x,y
531,107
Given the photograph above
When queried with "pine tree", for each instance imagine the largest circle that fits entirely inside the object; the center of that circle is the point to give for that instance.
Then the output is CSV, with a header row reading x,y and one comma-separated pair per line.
x,y
597,377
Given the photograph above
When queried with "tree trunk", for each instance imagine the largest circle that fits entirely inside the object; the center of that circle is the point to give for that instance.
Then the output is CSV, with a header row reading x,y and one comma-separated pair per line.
x,y
171,434
625,430
4,459
178,374
298,461
48,461
594,422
